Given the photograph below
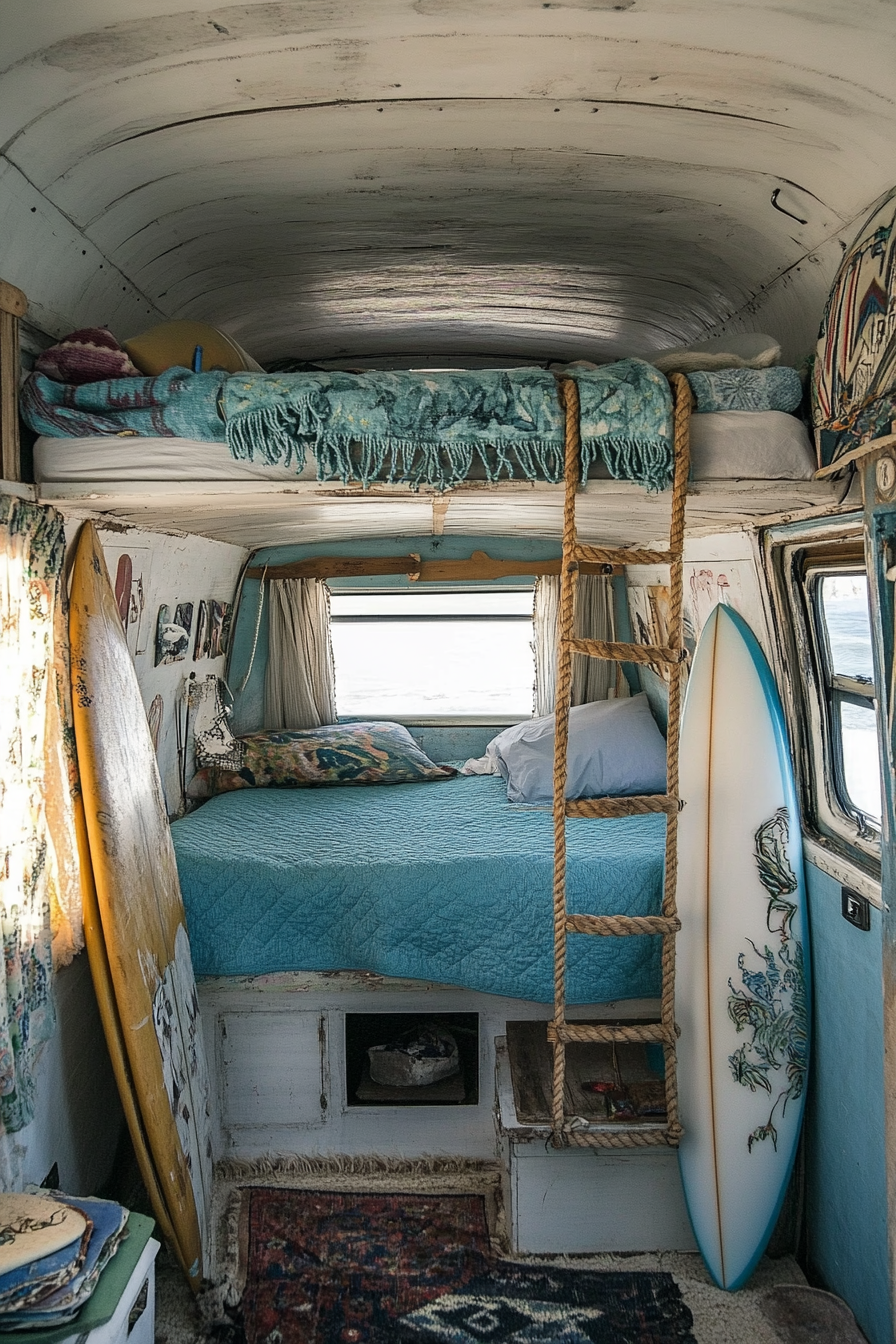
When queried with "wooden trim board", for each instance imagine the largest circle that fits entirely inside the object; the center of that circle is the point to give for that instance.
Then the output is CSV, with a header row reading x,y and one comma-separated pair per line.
x,y
12,300
479,566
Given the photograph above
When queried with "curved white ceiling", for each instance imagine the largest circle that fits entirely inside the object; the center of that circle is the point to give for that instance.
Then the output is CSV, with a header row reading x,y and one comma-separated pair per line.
x,y
535,178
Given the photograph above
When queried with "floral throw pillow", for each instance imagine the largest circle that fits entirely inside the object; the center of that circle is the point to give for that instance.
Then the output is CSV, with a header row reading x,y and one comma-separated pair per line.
x,y
339,753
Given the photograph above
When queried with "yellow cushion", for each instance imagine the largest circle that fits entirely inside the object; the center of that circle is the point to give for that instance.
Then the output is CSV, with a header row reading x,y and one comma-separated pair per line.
x,y
173,343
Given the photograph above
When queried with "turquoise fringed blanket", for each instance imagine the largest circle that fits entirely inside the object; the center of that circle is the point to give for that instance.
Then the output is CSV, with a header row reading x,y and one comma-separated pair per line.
x,y
429,428
420,428
176,404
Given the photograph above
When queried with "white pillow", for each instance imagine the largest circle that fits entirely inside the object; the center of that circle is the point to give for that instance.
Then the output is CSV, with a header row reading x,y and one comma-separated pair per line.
x,y
753,445
615,749
744,350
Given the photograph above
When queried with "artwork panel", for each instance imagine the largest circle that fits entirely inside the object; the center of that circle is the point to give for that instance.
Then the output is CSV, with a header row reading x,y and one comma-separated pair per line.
x,y
200,643
171,639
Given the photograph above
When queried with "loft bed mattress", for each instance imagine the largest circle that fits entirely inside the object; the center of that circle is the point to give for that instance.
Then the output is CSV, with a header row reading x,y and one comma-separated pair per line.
x,y
438,881
725,445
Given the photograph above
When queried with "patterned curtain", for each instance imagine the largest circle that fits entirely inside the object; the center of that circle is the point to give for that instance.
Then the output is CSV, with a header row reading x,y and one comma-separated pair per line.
x,y
40,902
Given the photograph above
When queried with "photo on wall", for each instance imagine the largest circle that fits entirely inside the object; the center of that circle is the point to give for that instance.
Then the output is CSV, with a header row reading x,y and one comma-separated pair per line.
x,y
200,643
171,639
183,616
219,628
129,570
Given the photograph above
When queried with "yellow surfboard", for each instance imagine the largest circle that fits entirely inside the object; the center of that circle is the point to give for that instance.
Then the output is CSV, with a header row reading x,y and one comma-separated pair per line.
x,y
134,919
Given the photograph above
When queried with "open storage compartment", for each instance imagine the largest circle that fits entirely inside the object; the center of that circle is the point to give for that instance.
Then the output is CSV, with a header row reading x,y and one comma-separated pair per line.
x,y
364,1030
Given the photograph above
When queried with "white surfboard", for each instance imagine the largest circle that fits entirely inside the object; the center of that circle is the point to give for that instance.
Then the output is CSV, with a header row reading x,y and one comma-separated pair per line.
x,y
742,972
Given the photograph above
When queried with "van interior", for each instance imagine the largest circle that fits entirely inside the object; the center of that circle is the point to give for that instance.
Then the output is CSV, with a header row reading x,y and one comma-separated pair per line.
x,y
490,407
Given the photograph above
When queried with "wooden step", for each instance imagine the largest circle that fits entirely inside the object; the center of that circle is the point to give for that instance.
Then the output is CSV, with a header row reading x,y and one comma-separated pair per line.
x,y
634,806
644,1032
621,926
616,651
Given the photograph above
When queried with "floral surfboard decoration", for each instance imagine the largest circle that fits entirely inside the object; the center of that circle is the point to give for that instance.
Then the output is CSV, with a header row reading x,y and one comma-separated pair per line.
x,y
771,1003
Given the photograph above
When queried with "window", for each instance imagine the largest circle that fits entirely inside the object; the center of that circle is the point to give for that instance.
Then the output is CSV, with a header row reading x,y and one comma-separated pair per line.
x,y
820,594
434,654
840,602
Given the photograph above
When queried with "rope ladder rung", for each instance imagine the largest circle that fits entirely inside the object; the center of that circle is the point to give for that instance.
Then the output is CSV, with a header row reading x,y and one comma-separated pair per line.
x,y
618,652
636,805
573,1131
622,1033
622,926
634,1136
618,555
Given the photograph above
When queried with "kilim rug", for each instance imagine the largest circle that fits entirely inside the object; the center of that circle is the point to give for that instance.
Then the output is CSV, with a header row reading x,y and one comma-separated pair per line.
x,y
336,1268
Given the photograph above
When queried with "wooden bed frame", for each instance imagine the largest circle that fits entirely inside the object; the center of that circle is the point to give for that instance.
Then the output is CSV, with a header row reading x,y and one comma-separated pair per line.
x,y
13,305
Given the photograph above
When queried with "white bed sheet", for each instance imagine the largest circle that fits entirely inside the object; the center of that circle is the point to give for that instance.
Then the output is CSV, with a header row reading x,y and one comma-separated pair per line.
x,y
752,445
109,457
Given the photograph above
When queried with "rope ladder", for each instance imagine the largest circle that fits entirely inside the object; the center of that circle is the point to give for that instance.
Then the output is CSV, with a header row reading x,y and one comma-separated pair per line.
x,y
571,1130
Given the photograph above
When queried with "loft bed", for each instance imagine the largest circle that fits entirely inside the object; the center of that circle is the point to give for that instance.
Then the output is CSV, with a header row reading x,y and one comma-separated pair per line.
x,y
199,487
182,471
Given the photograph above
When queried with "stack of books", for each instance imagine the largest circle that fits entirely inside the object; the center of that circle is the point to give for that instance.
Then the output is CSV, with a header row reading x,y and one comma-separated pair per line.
x,y
53,1248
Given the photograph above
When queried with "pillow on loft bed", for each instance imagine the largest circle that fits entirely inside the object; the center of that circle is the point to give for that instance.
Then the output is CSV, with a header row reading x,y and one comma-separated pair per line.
x,y
740,350
338,753
89,355
754,445
173,345
778,389
615,750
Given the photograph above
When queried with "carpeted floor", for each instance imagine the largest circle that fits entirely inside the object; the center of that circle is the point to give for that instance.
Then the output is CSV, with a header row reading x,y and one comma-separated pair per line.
x,y
326,1267
749,1316
334,1268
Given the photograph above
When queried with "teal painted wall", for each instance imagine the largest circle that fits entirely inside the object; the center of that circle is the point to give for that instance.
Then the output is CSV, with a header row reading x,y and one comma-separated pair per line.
x,y
846,1197
247,717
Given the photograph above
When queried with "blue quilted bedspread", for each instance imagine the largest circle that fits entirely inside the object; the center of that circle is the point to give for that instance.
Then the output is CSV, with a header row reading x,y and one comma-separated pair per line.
x,y
441,881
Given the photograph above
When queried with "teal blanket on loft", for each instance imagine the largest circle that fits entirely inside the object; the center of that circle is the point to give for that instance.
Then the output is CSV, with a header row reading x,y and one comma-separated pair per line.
x,y
430,428
176,404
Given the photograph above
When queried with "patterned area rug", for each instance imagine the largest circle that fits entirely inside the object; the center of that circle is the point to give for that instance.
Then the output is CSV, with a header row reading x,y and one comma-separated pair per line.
x,y
335,1268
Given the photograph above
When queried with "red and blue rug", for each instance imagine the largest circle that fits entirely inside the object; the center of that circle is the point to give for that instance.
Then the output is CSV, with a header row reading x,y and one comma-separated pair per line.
x,y
328,1268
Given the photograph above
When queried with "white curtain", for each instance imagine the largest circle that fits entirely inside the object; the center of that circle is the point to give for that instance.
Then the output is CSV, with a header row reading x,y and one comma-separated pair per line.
x,y
592,678
299,689
544,620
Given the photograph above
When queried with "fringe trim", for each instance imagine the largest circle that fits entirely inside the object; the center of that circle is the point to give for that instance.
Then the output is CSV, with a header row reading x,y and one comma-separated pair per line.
x,y
647,462
284,434
287,1168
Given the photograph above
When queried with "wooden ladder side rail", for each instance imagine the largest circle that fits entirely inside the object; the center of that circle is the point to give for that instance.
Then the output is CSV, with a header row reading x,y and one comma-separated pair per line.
x,y
13,305
572,1130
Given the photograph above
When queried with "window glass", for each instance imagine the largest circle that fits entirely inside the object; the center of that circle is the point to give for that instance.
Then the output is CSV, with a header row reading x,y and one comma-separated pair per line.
x,y
433,654
844,611
861,766
844,600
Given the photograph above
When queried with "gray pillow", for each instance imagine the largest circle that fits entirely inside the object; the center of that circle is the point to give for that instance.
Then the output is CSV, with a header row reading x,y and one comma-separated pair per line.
x,y
756,445
615,748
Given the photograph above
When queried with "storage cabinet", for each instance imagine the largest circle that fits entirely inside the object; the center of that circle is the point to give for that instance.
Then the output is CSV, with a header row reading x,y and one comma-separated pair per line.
x,y
273,1070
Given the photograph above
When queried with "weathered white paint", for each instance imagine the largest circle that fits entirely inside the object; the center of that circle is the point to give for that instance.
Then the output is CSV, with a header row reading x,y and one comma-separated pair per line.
x,y
577,1201
279,1049
176,569
575,177
255,513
